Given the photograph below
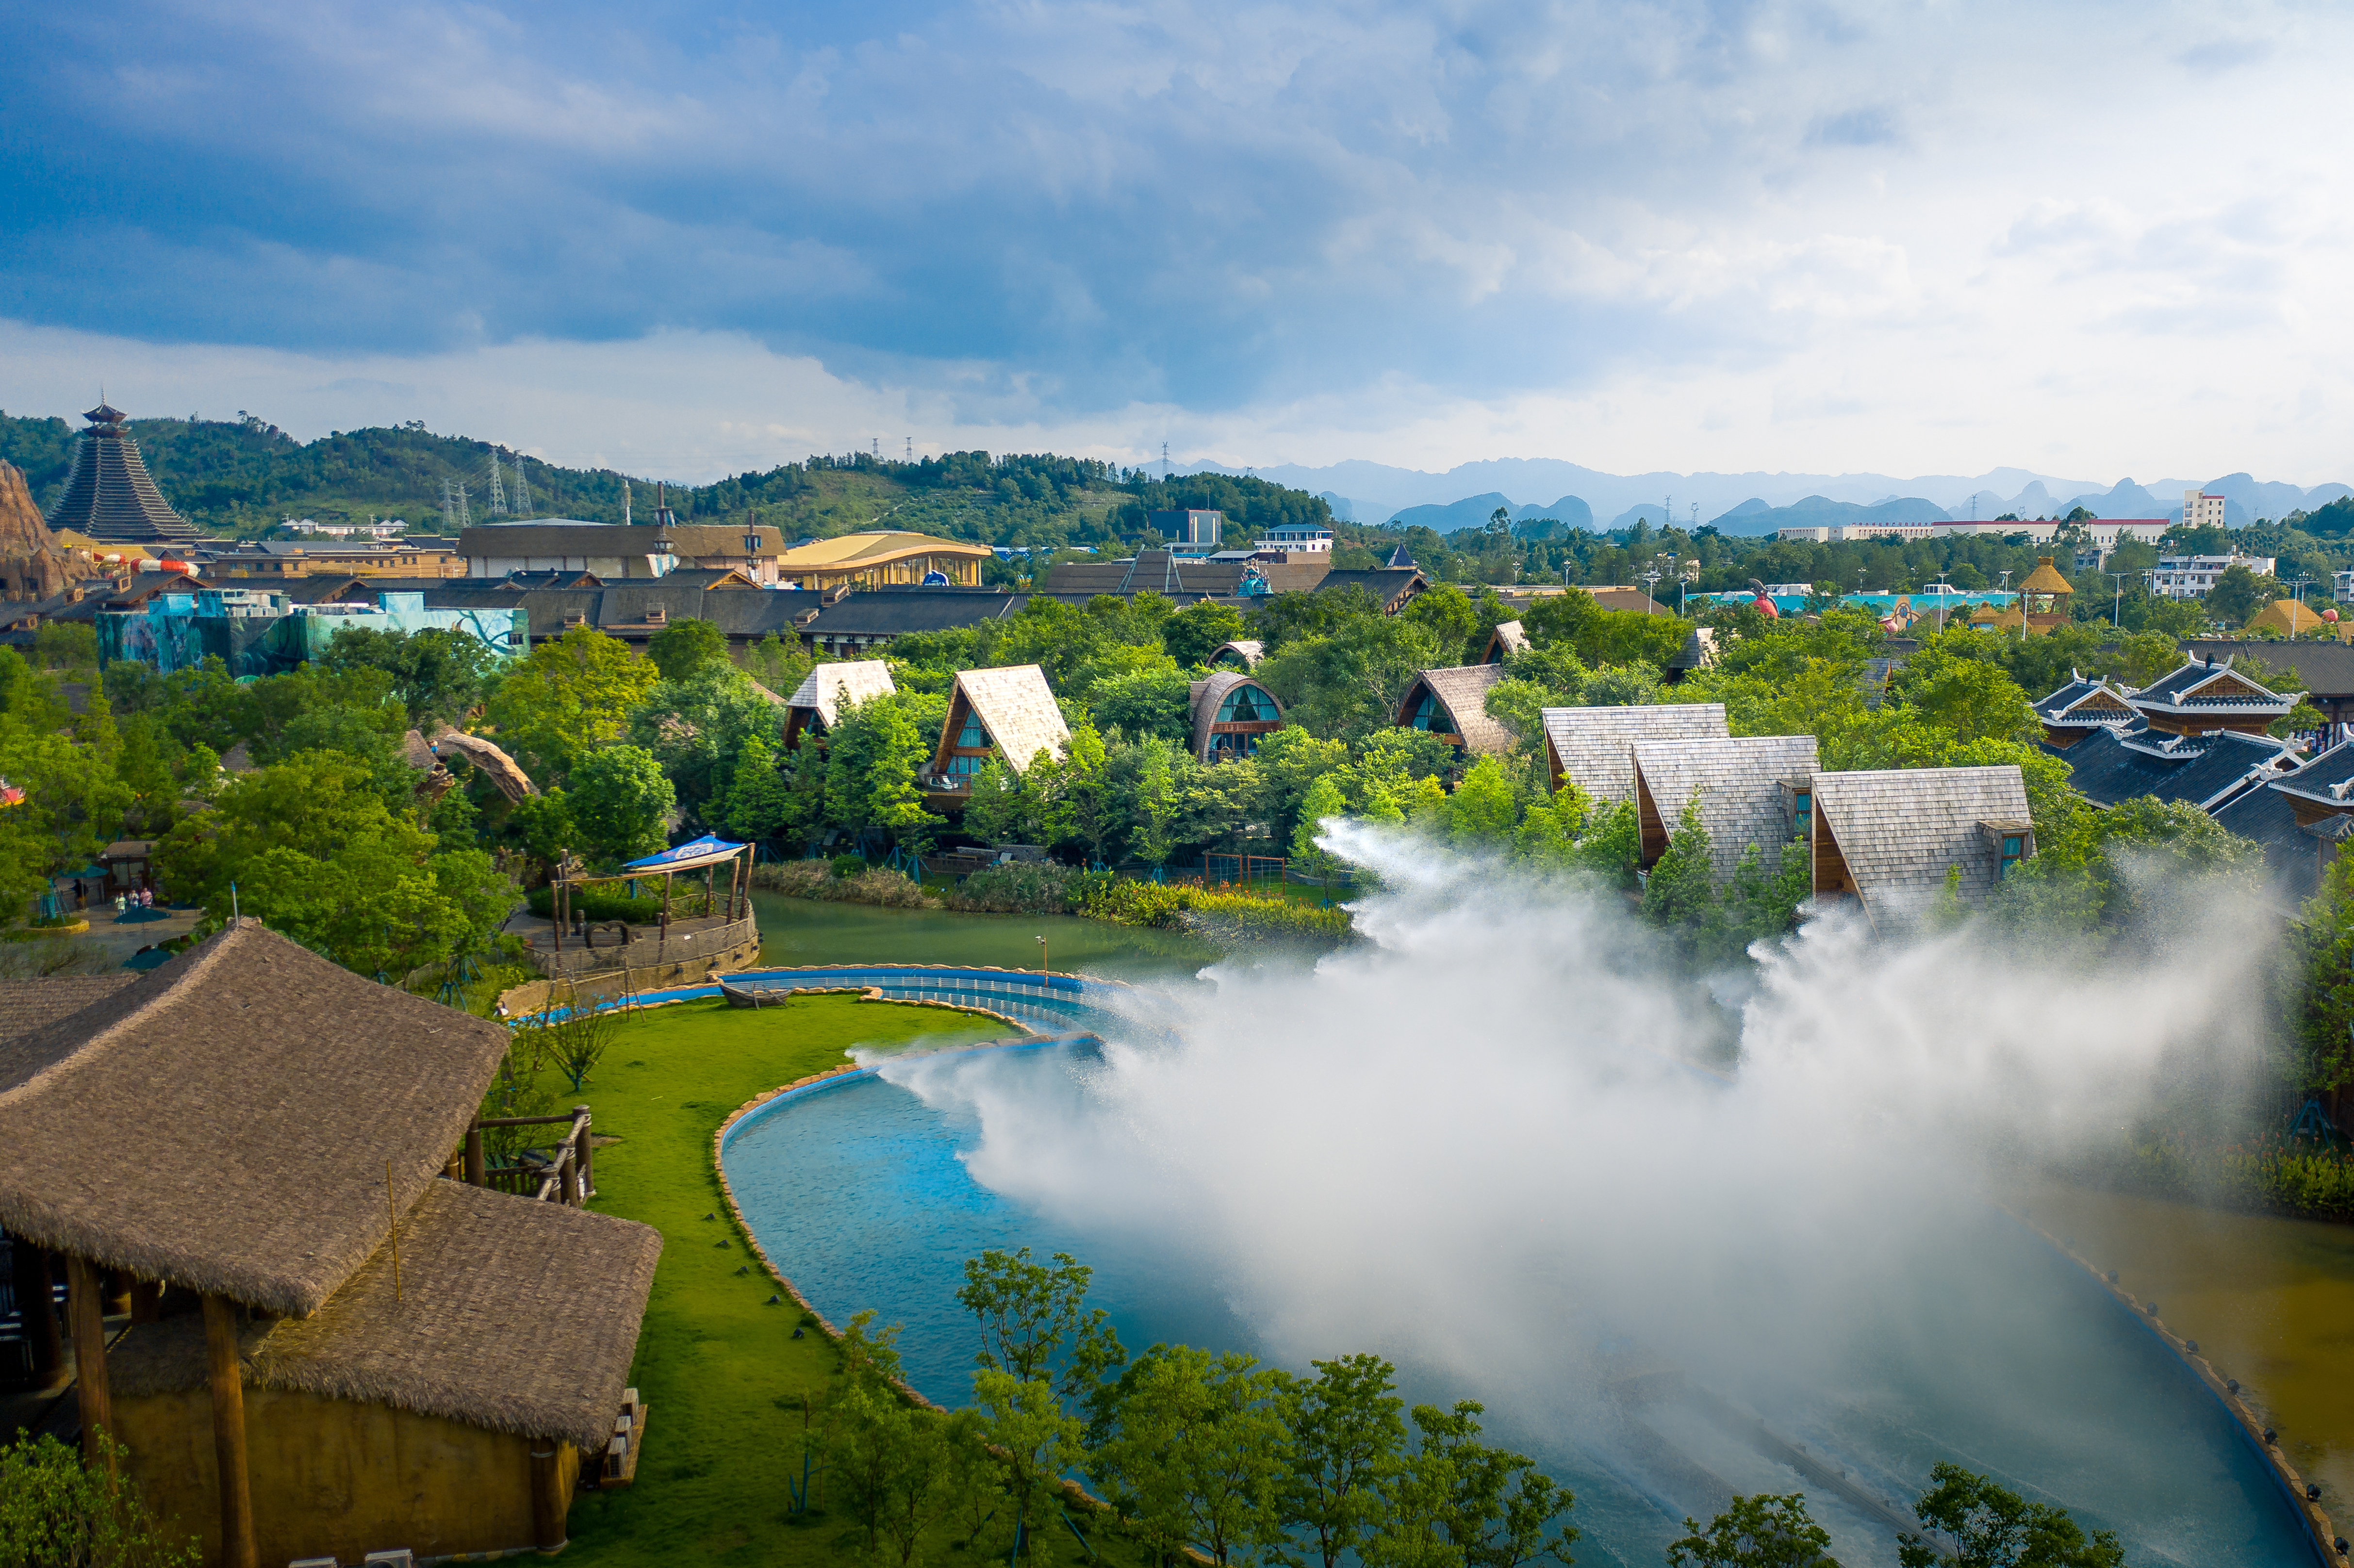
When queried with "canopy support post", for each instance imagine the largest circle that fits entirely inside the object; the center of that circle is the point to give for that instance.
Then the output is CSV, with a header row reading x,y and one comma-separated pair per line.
x,y
227,1385
35,1278
89,1363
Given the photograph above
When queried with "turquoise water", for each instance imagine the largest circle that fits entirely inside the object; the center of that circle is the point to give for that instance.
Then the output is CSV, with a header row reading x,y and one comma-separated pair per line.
x,y
2006,1359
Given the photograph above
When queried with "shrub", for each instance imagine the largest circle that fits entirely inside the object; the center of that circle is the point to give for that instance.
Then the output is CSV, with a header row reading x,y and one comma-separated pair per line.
x,y
592,904
1024,887
1226,917
829,880
848,864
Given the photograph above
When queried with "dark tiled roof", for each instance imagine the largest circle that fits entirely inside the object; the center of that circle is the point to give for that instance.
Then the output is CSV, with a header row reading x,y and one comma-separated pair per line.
x,y
2178,688
2317,778
110,496
889,612
2057,707
742,613
1390,588
2203,770
1159,571
2291,856
2325,668
584,539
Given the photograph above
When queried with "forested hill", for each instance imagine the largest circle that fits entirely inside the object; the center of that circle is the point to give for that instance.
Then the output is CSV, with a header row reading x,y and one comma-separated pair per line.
x,y
244,476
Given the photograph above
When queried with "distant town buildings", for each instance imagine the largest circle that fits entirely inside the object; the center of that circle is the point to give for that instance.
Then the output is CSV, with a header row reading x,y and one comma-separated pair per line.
x,y
2201,511
2190,576
1193,532
2105,534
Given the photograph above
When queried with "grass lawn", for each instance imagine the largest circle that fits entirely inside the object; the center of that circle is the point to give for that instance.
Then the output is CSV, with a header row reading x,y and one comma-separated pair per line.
x,y
722,1376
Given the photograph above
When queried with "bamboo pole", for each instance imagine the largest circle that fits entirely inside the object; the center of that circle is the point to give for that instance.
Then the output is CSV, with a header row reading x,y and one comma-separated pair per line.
x,y
89,1363
227,1385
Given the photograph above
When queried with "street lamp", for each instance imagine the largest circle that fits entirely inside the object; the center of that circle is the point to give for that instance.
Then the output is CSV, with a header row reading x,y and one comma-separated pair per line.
x,y
1042,956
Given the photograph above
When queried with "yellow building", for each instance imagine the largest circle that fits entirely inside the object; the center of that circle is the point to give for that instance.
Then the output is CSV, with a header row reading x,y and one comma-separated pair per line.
x,y
881,558
2287,617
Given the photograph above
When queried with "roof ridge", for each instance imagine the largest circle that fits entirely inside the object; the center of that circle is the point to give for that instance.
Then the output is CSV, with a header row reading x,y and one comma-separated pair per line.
x,y
205,955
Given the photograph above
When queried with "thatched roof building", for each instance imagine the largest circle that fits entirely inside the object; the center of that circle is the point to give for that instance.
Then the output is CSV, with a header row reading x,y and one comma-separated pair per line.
x,y
1592,748
1504,642
255,1140
1243,654
1751,789
1231,711
1453,705
818,701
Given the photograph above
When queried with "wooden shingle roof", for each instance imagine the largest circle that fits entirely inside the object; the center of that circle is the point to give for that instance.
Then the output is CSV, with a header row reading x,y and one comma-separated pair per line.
x,y
1591,747
1017,708
1463,691
1738,783
825,688
1206,698
1899,828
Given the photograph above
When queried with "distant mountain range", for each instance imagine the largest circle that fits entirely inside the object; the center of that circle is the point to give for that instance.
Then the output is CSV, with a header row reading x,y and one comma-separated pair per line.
x,y
1466,495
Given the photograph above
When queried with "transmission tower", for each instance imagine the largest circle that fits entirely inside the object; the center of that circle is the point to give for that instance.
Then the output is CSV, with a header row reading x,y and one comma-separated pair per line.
x,y
1164,463
464,520
911,449
498,491
522,489
448,509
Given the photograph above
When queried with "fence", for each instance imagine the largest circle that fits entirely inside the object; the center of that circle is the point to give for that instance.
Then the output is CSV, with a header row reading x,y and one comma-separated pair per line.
x,y
567,1176
1243,868
685,940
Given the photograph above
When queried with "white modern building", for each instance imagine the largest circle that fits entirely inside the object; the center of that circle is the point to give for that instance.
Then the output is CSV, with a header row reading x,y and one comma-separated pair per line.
x,y
2201,510
2189,576
1298,538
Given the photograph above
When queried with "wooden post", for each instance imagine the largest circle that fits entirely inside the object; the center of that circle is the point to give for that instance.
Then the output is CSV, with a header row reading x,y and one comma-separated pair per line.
x,y
556,908
580,1123
227,1385
548,1494
477,1174
90,1363
118,1293
34,1280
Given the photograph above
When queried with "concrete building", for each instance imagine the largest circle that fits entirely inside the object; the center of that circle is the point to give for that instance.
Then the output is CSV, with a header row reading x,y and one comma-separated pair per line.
x,y
1189,532
2201,510
611,551
2190,576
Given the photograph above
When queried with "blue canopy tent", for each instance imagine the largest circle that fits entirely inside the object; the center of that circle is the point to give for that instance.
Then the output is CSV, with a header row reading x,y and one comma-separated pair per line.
x,y
705,854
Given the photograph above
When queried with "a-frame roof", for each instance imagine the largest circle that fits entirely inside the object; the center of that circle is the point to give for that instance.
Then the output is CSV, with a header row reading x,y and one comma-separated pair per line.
x,y
1900,829
825,688
1591,747
1016,707
1463,693
1737,780
1505,640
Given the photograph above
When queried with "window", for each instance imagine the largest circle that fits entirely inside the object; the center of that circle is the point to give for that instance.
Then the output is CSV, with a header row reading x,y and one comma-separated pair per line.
x,y
1802,809
966,767
752,543
972,736
1430,714
2014,849
1243,706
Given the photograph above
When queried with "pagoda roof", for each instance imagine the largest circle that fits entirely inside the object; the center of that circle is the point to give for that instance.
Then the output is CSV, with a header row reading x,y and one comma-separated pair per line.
x,y
2214,688
2082,703
110,496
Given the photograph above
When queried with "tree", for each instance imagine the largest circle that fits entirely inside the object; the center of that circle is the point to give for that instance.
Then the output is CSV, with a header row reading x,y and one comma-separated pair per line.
x,y
1493,1506
1680,893
1765,1532
438,673
897,1471
683,649
1196,1452
1146,703
872,755
1035,1324
1034,1441
55,1511
760,804
1198,631
620,803
1347,1441
1323,803
2236,596
570,695
1993,1527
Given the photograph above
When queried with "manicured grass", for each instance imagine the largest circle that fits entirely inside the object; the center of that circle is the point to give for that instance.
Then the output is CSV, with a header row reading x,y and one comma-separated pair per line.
x,y
721,1374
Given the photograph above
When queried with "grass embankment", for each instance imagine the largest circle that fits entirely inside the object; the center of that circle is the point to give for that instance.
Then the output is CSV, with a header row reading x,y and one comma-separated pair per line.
x,y
720,1371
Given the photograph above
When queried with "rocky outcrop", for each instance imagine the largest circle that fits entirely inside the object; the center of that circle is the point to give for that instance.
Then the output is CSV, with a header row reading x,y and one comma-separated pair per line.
x,y
32,564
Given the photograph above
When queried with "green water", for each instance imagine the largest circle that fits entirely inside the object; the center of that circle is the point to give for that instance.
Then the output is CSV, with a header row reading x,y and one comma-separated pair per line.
x,y
805,931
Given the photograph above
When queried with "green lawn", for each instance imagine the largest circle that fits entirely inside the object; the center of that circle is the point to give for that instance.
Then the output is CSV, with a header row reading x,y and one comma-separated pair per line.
x,y
722,1376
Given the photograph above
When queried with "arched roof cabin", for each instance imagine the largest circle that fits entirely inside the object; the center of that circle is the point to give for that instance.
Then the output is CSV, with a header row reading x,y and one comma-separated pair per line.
x,y
1230,713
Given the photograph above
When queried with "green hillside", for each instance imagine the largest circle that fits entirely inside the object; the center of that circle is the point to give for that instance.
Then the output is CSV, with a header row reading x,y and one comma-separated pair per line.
x,y
243,477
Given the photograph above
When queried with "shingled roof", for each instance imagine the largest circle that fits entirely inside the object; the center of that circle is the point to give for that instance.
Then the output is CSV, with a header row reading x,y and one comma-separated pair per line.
x,y
1591,747
825,688
110,496
1506,640
266,1087
1250,651
1738,783
1017,708
27,1005
1462,691
1899,829
512,1315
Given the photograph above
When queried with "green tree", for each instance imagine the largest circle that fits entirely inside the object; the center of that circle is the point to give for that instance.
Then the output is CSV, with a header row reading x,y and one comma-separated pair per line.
x,y
2238,594
1035,1324
1199,629
570,696
438,673
1765,1532
1483,810
1196,1450
683,649
55,1513
1993,1527
1035,1443
1680,892
1145,705
1493,1508
1323,803
620,801
872,757
760,804
896,1471
1347,1441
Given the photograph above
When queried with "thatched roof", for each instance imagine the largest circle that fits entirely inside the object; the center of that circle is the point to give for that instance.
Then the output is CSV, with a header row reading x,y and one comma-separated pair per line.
x,y
505,770
27,1005
512,1314
1017,708
1249,650
1463,693
824,689
224,1121
1503,641
1591,747
1208,696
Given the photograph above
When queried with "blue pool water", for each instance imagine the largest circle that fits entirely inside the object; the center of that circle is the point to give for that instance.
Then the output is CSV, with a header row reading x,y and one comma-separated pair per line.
x,y
2013,1364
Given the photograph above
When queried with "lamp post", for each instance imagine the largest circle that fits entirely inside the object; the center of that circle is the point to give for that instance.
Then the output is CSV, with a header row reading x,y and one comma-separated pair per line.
x,y
1042,956
2117,608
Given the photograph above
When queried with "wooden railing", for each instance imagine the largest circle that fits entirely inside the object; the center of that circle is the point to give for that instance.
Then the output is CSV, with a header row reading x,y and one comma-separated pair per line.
x,y
570,1180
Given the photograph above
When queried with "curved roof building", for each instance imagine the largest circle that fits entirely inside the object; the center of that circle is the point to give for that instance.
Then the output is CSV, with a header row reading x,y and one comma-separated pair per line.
x,y
109,497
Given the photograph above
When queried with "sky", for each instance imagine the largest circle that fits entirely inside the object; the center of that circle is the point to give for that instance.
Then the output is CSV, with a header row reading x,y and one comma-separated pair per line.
x,y
692,239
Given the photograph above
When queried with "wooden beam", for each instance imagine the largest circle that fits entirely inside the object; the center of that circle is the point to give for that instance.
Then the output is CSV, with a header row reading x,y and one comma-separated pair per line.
x,y
227,1385
89,1363
548,1494
476,1171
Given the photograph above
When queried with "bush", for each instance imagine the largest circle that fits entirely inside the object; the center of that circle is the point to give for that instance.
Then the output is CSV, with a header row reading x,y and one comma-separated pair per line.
x,y
1229,918
590,905
827,880
848,864
1024,887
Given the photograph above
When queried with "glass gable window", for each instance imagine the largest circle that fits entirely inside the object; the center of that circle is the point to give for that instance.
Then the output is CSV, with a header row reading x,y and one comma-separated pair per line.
x,y
1242,705
1428,714
971,737
1802,814
966,767
2014,849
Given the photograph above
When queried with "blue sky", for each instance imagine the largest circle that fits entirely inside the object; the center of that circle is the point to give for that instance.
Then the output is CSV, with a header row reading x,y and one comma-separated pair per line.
x,y
696,237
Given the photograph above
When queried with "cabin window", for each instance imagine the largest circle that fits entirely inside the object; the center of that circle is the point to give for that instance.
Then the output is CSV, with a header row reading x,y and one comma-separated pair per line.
x,y
966,767
2014,849
1243,706
972,734
1802,809
752,544
1430,714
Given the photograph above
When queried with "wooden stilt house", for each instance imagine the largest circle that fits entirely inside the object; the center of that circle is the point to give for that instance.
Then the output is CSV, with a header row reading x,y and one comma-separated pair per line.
x,y
2201,696
1593,747
819,700
334,1349
1231,712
